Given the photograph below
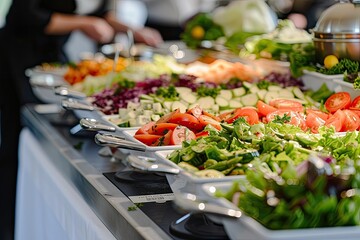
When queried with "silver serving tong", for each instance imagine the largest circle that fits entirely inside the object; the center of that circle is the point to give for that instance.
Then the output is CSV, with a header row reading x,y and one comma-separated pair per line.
x,y
150,165
74,104
194,203
109,140
66,92
94,125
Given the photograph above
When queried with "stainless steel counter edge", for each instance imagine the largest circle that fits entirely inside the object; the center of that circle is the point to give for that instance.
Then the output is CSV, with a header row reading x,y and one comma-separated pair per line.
x,y
108,203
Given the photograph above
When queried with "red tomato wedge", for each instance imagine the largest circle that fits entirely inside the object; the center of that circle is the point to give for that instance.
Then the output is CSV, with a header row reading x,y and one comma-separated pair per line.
x,y
286,104
164,140
167,116
340,100
323,115
264,109
224,115
202,134
162,128
195,111
205,120
313,122
249,114
147,139
351,121
212,116
296,118
181,134
186,120
336,120
145,128
355,104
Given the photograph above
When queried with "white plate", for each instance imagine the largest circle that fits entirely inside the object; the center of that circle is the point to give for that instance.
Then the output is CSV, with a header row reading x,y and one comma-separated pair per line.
x,y
129,135
108,118
313,80
247,228
343,86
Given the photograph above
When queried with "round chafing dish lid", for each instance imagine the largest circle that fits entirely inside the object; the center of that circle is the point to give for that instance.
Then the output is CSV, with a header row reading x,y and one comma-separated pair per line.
x,y
343,17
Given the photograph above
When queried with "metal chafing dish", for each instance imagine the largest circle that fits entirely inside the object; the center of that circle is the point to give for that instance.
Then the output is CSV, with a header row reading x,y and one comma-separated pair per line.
x,y
338,31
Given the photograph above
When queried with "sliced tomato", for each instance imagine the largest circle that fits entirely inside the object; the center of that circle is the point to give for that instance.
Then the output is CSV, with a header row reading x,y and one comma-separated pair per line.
x,y
351,121
250,114
195,111
323,115
211,115
336,101
186,120
264,109
162,128
164,140
167,116
296,118
202,134
181,134
224,115
336,120
286,104
313,122
205,120
145,128
147,139
355,104
357,111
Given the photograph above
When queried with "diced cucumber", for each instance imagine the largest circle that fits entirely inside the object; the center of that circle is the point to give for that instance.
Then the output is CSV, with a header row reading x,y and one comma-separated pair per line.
x,y
237,92
146,97
157,108
273,88
155,117
146,101
261,94
284,93
179,105
148,112
124,124
215,108
188,97
167,105
222,102
247,85
133,106
298,93
133,122
235,104
270,95
206,102
183,90
122,112
142,120
130,115
254,89
227,94
145,106
249,99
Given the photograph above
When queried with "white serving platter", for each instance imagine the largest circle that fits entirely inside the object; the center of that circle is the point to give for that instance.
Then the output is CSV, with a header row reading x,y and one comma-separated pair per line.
x,y
313,80
248,228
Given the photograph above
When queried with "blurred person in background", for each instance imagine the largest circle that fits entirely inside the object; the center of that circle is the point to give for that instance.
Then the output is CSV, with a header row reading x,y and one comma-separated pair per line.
x,y
35,32
169,16
304,13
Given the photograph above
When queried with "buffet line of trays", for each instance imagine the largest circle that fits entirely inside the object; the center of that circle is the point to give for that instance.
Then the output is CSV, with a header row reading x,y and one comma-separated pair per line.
x,y
263,156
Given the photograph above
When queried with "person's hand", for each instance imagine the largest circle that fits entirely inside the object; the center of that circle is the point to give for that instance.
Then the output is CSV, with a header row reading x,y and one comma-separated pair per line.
x,y
148,36
98,29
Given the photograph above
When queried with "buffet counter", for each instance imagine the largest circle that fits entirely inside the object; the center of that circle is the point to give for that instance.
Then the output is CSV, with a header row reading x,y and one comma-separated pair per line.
x,y
62,192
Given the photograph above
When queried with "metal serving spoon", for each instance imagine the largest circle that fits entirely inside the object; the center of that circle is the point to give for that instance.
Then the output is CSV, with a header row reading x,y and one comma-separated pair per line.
x,y
66,92
94,125
74,104
114,141
192,202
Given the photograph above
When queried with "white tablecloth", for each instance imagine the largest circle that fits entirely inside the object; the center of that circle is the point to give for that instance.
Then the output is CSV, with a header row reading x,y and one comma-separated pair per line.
x,y
47,205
